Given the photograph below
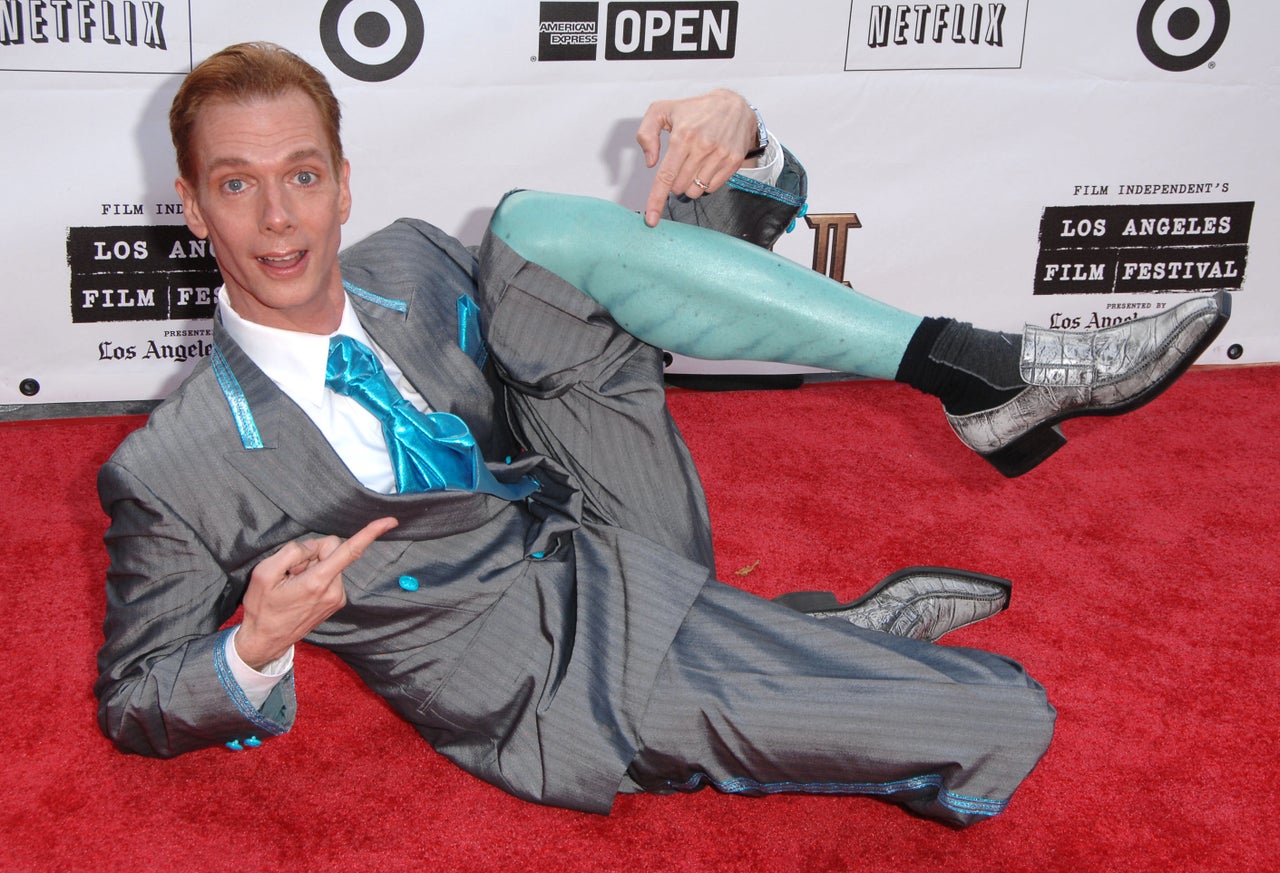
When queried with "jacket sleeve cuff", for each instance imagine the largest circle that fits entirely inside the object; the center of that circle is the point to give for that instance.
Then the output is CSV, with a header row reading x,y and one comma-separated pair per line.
x,y
272,714
256,684
752,210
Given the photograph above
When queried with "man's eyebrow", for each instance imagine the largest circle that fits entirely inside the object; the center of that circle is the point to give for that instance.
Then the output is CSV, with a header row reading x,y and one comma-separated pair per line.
x,y
291,158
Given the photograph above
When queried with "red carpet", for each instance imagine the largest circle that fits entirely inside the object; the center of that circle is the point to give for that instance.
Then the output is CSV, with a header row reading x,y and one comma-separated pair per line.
x,y
1144,559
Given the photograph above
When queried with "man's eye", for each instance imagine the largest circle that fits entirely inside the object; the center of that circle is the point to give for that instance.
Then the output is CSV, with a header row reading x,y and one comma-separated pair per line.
x,y
306,177
235,186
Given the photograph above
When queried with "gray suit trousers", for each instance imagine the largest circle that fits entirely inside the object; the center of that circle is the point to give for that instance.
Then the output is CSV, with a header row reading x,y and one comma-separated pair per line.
x,y
756,699
752,697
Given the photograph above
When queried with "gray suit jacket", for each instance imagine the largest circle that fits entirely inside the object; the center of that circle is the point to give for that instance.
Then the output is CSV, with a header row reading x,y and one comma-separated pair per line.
x,y
528,647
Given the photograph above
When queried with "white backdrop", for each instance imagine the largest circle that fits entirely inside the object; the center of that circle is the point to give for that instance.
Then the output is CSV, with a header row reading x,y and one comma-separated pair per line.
x,y
1063,162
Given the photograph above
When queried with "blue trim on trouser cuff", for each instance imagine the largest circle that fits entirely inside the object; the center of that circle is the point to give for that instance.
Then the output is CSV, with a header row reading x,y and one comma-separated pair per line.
x,y
963,803
960,803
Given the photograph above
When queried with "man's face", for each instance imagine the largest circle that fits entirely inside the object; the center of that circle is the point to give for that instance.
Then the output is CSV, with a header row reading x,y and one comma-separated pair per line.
x,y
272,203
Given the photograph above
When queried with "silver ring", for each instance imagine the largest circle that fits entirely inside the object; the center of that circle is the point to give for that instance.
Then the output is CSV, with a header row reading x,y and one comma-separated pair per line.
x,y
701,184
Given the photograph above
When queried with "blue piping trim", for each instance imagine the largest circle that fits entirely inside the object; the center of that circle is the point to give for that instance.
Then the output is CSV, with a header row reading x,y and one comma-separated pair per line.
x,y
751,186
236,693
961,803
971,805
469,338
238,403
385,302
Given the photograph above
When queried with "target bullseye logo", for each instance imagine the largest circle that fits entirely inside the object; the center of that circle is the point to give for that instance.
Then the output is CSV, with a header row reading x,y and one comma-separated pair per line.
x,y
1180,35
372,40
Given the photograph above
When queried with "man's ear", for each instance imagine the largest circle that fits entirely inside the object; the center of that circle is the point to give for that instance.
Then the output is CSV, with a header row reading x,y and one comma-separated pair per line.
x,y
344,191
191,213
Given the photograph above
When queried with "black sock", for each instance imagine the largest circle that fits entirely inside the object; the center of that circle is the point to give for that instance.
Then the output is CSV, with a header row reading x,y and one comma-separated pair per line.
x,y
968,369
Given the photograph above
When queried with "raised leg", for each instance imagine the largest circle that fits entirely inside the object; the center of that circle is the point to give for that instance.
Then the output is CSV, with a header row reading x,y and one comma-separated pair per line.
x,y
702,293
710,295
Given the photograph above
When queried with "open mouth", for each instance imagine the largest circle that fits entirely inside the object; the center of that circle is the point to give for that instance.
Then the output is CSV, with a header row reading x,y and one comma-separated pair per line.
x,y
282,261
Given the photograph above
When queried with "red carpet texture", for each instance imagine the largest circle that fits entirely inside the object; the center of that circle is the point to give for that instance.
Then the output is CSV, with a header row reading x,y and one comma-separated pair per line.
x,y
1144,560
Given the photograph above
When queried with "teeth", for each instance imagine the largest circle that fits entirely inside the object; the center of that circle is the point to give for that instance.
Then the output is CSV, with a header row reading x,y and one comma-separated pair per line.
x,y
282,259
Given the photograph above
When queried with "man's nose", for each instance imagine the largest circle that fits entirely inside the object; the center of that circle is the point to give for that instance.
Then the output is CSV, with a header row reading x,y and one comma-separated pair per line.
x,y
277,214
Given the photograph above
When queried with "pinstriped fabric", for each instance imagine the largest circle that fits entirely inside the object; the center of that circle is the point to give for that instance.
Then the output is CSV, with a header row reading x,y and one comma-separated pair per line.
x,y
754,699
529,673
592,398
576,681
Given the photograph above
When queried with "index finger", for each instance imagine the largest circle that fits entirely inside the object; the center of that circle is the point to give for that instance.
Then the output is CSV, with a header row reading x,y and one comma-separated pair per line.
x,y
354,546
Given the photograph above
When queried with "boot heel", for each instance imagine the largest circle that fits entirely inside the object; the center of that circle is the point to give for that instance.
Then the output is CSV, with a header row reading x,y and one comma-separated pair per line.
x,y
1027,451
808,601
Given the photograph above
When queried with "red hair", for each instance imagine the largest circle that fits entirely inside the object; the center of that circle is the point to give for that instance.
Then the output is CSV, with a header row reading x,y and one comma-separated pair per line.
x,y
242,73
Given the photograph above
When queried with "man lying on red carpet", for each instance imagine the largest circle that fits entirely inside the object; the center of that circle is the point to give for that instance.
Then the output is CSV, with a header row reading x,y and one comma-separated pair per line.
x,y
457,472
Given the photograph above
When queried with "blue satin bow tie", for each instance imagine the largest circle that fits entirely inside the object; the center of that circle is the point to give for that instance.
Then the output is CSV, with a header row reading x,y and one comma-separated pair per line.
x,y
431,451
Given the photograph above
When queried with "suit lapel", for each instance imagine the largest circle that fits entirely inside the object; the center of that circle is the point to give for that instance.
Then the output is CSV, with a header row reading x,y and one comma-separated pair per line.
x,y
298,471
421,334
423,341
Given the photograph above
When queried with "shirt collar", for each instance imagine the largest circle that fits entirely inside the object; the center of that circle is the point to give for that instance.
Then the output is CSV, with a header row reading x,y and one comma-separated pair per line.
x,y
294,361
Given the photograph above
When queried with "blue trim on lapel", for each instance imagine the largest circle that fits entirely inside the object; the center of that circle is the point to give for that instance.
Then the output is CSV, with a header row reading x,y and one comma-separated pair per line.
x,y
385,302
250,438
469,338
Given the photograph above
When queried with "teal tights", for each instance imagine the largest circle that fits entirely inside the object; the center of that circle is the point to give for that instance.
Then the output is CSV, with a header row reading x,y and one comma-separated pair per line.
x,y
702,293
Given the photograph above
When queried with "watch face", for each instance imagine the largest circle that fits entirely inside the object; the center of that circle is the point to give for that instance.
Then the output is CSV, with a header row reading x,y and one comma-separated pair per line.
x,y
762,132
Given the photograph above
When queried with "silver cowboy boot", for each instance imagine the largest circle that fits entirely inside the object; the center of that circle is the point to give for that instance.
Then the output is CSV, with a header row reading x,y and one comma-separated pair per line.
x,y
921,603
1102,372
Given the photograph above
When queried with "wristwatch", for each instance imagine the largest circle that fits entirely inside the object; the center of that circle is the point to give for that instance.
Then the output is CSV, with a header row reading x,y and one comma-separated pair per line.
x,y
762,136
